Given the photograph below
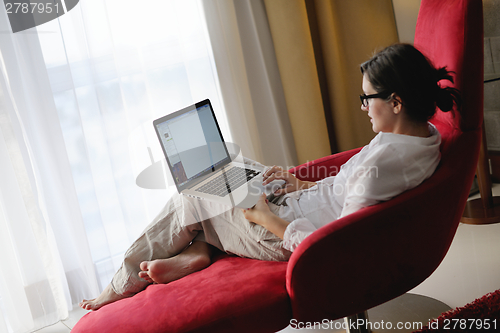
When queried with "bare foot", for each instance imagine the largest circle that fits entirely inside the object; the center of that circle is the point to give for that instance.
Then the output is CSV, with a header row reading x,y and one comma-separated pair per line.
x,y
193,259
107,296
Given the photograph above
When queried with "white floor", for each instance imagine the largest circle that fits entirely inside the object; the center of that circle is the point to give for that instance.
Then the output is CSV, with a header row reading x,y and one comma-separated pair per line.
x,y
470,270
65,326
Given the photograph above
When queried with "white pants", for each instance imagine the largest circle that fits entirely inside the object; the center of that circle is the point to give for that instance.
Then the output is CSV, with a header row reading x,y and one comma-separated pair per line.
x,y
181,221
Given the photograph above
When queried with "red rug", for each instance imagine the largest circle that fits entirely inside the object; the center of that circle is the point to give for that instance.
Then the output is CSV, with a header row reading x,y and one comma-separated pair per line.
x,y
482,314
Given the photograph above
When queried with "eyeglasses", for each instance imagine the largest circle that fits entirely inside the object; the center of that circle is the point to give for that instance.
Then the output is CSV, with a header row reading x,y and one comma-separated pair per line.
x,y
364,98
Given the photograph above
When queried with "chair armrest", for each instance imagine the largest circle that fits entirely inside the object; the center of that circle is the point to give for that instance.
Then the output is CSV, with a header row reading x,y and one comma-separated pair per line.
x,y
359,261
323,167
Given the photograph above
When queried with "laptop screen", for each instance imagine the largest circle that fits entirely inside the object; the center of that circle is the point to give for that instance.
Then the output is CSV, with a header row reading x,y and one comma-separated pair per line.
x,y
192,143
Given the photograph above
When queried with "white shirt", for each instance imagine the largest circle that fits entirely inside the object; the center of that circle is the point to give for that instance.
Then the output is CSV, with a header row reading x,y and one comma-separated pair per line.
x,y
389,165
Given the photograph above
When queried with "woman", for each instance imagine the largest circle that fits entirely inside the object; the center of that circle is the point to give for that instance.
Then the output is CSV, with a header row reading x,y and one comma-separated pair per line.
x,y
401,91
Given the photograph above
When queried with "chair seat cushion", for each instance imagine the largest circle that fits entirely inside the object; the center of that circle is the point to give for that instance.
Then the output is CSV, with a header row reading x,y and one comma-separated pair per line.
x,y
203,301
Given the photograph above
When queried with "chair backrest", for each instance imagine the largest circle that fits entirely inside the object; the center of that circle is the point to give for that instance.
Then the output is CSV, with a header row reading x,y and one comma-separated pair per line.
x,y
380,252
450,33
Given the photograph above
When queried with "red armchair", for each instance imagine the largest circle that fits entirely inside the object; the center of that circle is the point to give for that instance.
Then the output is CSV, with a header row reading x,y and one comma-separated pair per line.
x,y
356,262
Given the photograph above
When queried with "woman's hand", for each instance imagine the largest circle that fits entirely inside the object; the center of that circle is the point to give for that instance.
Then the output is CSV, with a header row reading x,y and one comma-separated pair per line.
x,y
261,214
291,182
258,213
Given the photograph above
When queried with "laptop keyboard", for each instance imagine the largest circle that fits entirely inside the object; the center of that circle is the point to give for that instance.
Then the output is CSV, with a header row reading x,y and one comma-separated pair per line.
x,y
230,179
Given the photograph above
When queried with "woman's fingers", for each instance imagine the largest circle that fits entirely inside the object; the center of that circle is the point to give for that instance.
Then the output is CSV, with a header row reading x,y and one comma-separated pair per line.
x,y
272,177
271,171
275,174
262,197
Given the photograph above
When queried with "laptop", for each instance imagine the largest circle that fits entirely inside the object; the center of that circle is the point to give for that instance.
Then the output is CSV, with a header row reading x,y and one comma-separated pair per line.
x,y
200,163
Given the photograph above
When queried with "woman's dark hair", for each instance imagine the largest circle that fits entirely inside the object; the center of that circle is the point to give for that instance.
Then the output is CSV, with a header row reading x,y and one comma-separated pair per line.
x,y
403,70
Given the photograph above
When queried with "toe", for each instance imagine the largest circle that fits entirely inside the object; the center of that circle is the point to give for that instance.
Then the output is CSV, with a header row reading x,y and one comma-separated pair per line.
x,y
144,265
145,276
88,304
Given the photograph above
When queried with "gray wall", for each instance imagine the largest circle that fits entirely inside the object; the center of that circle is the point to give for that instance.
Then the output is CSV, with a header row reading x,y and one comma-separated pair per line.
x,y
491,11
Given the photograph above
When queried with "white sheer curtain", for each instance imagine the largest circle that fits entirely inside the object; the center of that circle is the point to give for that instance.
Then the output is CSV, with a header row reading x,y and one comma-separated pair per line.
x,y
45,260
78,97
33,288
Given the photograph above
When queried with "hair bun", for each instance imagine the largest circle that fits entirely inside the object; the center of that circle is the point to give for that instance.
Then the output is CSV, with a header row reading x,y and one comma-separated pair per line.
x,y
444,100
446,97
